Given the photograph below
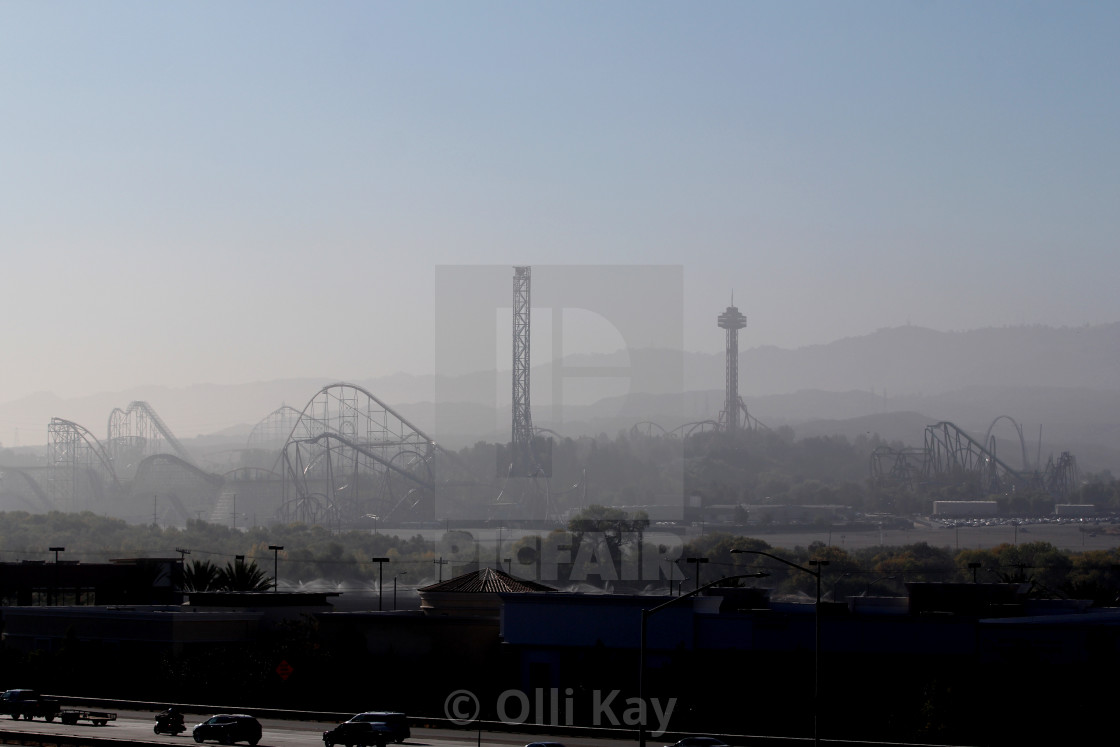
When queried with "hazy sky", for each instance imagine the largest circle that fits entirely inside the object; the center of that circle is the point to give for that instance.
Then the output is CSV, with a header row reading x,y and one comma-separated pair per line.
x,y
235,192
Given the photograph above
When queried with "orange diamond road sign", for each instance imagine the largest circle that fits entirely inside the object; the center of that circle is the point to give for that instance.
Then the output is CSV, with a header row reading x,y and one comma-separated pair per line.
x,y
283,669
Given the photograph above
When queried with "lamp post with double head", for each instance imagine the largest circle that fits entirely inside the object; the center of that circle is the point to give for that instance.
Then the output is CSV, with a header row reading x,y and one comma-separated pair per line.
x,y
815,571
646,614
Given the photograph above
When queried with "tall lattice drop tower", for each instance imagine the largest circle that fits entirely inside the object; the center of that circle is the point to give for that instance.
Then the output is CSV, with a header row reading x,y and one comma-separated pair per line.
x,y
522,436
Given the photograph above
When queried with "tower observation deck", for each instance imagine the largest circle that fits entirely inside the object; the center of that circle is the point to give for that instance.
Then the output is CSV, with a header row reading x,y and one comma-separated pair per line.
x,y
732,321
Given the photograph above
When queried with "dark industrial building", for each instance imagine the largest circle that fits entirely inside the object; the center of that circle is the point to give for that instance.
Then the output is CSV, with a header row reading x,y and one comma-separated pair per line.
x,y
952,663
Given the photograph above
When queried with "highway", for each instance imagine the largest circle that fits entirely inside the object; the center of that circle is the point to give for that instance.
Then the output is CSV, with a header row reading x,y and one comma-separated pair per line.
x,y
136,727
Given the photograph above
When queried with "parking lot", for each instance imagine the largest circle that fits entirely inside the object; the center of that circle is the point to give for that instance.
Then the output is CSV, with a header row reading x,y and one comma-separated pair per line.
x,y
960,534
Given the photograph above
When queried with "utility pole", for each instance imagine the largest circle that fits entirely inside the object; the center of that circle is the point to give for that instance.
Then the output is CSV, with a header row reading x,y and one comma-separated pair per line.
x,y
183,553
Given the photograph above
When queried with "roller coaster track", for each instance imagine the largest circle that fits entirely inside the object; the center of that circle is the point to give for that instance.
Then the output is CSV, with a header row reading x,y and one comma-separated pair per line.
x,y
74,454
174,475
192,471
349,456
136,432
83,471
273,429
32,484
906,467
650,429
949,451
700,426
749,422
1018,430
249,474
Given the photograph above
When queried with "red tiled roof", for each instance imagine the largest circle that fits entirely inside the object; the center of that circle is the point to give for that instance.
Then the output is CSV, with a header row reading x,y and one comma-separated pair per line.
x,y
489,580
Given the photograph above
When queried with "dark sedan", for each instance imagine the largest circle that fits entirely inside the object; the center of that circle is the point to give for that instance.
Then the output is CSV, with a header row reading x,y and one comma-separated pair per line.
x,y
228,728
359,734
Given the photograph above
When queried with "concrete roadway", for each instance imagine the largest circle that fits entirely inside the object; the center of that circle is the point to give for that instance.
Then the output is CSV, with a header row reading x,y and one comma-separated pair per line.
x,y
136,727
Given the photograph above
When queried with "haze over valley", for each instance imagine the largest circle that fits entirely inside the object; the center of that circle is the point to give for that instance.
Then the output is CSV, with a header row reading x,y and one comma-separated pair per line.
x,y
1057,383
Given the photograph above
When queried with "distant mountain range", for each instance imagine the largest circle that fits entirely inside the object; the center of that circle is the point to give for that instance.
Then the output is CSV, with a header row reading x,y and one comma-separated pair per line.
x,y
1060,385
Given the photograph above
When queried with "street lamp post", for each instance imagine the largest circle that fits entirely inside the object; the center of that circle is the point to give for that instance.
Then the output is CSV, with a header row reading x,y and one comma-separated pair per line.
x,y
697,561
815,572
275,566
646,614
380,578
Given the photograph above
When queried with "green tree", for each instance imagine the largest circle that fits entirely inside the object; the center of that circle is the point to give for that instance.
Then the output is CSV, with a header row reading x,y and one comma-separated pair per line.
x,y
1095,575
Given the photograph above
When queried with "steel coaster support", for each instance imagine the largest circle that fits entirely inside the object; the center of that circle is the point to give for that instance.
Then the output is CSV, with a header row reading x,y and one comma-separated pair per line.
x,y
350,455
73,451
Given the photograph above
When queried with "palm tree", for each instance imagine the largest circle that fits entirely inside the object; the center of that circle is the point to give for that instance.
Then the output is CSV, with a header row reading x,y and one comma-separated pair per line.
x,y
201,575
242,576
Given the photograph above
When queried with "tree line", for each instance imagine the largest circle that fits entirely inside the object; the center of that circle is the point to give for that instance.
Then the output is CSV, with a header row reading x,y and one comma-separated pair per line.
x,y
344,559
763,466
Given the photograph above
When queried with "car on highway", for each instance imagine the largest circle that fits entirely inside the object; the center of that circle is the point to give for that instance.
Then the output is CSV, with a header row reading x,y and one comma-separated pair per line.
x,y
359,734
700,742
228,728
28,704
395,720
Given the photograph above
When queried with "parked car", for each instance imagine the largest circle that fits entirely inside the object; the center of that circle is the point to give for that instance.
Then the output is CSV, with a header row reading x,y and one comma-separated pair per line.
x,y
395,720
228,728
700,742
359,734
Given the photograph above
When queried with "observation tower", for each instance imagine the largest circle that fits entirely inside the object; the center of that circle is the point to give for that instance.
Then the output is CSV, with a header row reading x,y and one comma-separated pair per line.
x,y
732,321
